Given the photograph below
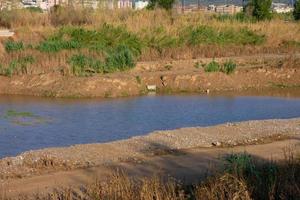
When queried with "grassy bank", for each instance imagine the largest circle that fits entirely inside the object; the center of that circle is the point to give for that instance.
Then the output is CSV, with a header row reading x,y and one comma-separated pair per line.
x,y
241,177
84,42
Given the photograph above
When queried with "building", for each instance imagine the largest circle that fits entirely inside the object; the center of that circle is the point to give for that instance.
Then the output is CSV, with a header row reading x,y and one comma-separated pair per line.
x,y
139,5
281,8
124,4
228,9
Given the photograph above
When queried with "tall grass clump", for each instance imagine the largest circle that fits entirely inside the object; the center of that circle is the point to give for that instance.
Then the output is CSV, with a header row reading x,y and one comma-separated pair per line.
x,y
69,15
18,66
229,67
82,65
208,35
213,66
11,46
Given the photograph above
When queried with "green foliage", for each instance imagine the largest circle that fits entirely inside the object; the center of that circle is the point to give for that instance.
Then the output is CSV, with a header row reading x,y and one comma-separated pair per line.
x,y
296,12
35,9
229,67
120,58
57,45
208,35
11,46
260,9
213,66
159,40
165,4
85,66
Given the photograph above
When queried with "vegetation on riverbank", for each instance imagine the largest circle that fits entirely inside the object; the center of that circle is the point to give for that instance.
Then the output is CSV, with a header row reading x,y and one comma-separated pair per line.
x,y
83,42
242,177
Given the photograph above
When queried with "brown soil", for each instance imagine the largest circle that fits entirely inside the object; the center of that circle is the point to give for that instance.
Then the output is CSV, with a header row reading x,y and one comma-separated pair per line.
x,y
186,153
257,71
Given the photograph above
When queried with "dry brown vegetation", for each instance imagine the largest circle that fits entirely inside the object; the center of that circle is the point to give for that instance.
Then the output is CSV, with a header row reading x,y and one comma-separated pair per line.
x,y
161,35
242,177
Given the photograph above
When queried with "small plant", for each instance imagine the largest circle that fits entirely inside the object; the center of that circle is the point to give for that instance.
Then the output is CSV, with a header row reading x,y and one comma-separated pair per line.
x,y
138,79
198,65
213,66
82,65
168,67
229,67
11,46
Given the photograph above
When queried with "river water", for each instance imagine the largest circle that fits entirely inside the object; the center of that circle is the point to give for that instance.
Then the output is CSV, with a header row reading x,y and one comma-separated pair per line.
x,y
28,123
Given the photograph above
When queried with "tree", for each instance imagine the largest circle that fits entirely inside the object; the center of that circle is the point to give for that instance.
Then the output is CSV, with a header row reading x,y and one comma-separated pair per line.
x,y
296,11
165,4
260,9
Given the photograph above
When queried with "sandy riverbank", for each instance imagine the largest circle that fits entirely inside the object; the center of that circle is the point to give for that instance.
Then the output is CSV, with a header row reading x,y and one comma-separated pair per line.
x,y
253,72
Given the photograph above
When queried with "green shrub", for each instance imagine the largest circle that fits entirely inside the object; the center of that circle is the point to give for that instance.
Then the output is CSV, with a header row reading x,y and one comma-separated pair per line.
x,y
213,66
56,46
11,46
207,35
296,12
82,65
229,67
158,39
35,9
165,4
120,58
260,9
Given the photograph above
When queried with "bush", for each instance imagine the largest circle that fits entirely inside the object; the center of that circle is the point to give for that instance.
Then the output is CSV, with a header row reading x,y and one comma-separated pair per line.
x,y
229,67
120,58
11,46
165,4
260,9
208,35
82,65
296,12
213,66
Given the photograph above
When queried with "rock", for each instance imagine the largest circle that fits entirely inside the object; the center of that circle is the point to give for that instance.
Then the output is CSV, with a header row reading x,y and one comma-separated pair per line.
x,y
216,144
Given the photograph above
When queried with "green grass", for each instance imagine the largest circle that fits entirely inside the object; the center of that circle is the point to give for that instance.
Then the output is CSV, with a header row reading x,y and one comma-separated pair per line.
x,y
213,66
11,46
203,34
229,67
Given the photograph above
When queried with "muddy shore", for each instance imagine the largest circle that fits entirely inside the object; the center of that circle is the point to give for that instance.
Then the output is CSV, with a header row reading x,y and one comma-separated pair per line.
x,y
157,143
253,72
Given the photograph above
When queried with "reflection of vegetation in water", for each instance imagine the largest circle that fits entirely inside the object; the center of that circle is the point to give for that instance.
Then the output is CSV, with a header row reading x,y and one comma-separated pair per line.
x,y
25,118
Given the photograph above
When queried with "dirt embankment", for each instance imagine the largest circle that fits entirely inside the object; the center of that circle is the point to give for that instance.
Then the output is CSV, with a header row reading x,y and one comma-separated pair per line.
x,y
253,72
137,148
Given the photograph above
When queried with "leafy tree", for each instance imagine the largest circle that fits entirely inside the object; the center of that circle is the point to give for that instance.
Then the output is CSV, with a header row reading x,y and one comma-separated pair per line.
x,y
165,4
296,12
260,9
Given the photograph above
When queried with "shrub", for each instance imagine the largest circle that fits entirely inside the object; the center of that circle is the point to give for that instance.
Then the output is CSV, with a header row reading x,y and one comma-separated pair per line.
x,y
56,46
82,65
120,58
260,9
296,12
208,35
11,46
213,66
229,67
165,4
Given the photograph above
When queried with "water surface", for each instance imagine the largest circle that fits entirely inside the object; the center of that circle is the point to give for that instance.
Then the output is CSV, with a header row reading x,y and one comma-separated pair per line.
x,y
50,122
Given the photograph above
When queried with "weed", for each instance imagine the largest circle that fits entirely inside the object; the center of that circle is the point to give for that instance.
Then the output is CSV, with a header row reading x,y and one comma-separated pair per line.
x,y
138,79
18,66
229,67
11,46
168,67
213,66
85,66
